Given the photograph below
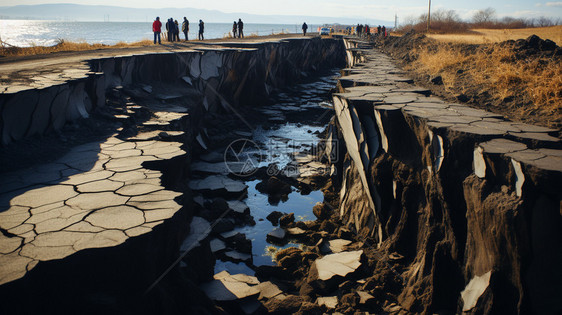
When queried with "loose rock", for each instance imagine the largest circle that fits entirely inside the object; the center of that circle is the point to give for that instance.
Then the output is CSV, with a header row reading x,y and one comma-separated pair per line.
x,y
274,217
287,219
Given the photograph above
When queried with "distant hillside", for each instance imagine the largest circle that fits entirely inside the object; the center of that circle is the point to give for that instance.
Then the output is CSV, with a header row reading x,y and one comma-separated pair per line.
x,y
76,12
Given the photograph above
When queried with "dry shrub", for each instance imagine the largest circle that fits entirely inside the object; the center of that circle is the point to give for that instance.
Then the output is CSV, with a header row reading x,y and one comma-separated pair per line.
x,y
534,82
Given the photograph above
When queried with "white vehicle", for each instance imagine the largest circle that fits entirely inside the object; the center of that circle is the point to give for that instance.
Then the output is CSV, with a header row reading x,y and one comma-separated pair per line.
x,y
325,31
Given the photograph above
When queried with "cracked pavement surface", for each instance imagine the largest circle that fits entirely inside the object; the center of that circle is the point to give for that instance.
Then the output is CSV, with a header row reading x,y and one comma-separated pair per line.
x,y
98,195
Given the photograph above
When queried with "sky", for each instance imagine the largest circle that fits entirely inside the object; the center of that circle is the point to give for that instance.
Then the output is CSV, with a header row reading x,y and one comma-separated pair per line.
x,y
382,9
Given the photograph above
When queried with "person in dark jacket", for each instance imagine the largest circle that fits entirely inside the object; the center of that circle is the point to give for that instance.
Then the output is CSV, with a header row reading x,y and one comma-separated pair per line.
x,y
304,28
201,30
240,28
157,29
176,31
383,30
169,30
234,29
185,27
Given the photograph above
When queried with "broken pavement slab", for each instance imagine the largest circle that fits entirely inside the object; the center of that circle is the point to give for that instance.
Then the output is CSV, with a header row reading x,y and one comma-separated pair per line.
x,y
198,231
334,246
268,290
331,302
238,207
474,289
217,245
219,185
340,264
237,256
226,287
106,198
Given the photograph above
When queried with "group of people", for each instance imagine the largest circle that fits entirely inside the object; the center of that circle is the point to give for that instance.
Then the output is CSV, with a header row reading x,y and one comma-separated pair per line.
x,y
365,31
173,30
238,29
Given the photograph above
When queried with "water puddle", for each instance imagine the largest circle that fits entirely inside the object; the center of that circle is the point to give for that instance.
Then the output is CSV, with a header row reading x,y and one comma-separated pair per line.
x,y
289,129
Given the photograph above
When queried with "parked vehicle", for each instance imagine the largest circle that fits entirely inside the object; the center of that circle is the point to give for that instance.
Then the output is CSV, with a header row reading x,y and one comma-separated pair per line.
x,y
325,31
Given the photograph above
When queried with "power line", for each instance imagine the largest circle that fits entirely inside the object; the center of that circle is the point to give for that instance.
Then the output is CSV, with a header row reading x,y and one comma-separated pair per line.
x,y
428,15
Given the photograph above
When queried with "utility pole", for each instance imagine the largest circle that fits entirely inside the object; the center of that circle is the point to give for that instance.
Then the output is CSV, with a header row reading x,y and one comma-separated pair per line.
x,y
395,21
428,16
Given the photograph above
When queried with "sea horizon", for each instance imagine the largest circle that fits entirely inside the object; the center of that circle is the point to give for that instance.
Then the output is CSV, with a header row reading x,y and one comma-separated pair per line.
x,y
28,33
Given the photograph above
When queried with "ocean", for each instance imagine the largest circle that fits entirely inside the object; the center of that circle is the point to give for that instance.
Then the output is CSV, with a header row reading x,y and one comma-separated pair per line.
x,y
26,33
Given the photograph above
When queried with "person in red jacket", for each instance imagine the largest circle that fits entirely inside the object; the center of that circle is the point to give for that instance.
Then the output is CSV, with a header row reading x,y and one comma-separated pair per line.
x,y
157,29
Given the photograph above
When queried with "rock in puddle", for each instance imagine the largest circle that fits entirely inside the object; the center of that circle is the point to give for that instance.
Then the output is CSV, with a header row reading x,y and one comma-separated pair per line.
x,y
218,185
321,211
287,219
228,235
274,186
227,287
276,236
217,245
240,243
238,207
236,256
296,231
223,225
274,217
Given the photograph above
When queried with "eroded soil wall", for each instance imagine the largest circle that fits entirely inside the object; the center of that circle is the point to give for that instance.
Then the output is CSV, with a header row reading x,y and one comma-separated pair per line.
x,y
466,204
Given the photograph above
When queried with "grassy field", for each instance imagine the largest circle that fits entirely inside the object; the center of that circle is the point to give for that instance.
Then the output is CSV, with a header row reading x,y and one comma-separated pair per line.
x,y
483,36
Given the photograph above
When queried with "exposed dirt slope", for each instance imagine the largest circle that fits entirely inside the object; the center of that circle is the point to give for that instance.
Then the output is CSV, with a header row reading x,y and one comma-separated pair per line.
x,y
521,80
484,36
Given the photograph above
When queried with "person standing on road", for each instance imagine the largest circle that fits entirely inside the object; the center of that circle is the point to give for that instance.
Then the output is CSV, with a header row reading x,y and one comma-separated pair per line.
x,y
185,27
304,28
240,28
234,29
168,29
157,29
176,31
201,30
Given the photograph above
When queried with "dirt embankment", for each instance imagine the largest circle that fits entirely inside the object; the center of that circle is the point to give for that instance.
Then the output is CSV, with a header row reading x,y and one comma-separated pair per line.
x,y
521,80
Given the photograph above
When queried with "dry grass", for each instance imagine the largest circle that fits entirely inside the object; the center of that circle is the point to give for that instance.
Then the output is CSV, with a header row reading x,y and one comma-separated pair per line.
x,y
496,70
484,36
11,51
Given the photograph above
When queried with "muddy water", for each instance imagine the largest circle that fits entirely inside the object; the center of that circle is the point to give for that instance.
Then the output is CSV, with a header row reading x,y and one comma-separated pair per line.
x,y
290,127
